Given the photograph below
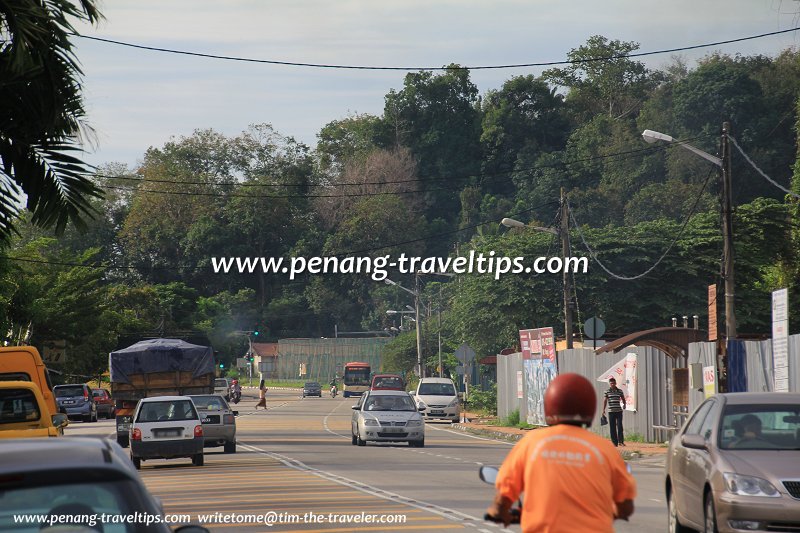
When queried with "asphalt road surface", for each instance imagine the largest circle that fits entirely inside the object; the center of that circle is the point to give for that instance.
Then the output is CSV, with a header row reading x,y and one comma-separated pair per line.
x,y
295,468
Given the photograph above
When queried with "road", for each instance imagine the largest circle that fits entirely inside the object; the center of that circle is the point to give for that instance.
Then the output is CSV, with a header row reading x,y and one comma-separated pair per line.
x,y
296,460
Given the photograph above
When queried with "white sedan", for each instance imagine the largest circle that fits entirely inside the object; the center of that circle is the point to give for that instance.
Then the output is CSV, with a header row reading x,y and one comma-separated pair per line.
x,y
387,416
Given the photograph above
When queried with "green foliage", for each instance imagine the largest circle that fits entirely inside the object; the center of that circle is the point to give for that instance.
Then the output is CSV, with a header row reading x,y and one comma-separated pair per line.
x,y
485,401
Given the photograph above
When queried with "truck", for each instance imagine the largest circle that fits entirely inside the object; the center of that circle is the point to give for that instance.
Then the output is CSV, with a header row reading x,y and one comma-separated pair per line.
x,y
157,367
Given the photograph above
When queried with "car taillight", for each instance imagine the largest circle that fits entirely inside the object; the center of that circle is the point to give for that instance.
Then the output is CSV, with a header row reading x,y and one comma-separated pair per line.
x,y
85,396
198,431
137,434
228,419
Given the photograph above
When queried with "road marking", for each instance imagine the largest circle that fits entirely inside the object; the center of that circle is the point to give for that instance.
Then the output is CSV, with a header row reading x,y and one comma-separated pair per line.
x,y
450,514
465,434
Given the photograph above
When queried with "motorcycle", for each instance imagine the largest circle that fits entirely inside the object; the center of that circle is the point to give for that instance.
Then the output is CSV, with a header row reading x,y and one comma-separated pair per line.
x,y
236,396
333,391
488,474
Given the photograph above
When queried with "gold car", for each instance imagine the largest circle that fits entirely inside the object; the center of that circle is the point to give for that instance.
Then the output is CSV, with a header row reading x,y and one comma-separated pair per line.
x,y
735,465
24,412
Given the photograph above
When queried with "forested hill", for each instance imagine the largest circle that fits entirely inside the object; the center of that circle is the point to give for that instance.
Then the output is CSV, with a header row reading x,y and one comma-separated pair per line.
x,y
432,176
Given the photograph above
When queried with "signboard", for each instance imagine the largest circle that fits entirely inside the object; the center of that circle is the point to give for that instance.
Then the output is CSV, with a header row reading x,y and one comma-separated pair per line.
x,y
537,344
54,351
712,312
465,353
625,373
780,340
538,363
242,362
709,381
519,384
594,328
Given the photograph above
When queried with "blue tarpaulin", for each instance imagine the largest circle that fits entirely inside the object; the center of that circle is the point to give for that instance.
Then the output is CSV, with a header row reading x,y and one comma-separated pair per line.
x,y
737,366
160,355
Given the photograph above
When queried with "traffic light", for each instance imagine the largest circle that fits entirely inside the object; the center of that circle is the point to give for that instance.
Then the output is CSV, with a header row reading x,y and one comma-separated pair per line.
x,y
256,333
251,358
222,365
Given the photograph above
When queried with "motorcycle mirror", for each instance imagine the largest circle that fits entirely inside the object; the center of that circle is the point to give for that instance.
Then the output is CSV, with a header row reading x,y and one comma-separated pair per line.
x,y
488,474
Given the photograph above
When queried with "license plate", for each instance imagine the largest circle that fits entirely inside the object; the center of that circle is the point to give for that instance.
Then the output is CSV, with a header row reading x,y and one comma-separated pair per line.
x,y
391,430
211,419
123,427
68,402
166,433
437,412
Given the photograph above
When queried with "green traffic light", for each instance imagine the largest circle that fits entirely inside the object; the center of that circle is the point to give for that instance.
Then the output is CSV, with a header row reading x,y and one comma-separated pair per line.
x,y
222,365
255,333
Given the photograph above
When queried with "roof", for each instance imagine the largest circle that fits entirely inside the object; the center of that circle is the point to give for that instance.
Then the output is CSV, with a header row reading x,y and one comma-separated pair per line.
x,y
488,360
163,398
266,349
384,392
760,398
435,380
62,453
672,341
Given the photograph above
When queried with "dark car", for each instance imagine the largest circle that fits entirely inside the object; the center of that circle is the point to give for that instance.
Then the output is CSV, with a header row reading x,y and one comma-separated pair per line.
x,y
312,388
76,401
388,382
77,480
218,420
105,404
735,465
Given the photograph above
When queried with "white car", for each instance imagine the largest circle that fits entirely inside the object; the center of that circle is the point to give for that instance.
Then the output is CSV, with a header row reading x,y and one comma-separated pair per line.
x,y
222,386
439,398
166,427
387,416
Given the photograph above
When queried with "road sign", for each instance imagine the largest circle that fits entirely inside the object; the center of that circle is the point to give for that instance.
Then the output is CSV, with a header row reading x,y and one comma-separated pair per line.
x,y
54,351
241,362
465,353
594,328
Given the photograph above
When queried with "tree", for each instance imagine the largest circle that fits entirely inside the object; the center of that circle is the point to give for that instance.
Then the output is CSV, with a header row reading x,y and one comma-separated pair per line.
x,y
42,115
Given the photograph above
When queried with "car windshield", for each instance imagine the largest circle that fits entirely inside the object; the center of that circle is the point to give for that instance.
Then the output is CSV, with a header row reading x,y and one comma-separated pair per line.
x,y
311,384
98,394
760,427
76,502
220,383
67,390
18,405
210,403
394,383
436,389
389,403
171,410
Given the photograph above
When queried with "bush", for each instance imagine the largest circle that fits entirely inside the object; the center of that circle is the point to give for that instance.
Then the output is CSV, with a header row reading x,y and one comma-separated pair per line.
x,y
484,401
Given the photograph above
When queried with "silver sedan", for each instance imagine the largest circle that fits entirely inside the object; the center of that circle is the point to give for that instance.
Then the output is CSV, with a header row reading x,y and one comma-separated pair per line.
x,y
387,416
219,421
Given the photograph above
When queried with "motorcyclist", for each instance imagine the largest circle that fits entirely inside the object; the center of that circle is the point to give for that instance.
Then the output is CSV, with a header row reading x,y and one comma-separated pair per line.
x,y
236,388
573,479
332,385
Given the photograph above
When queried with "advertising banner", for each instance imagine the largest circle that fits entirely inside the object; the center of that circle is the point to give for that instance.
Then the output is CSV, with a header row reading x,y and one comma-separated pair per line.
x,y
626,375
539,367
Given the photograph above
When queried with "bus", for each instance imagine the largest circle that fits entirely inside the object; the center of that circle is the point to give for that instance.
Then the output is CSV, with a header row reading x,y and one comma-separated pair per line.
x,y
356,378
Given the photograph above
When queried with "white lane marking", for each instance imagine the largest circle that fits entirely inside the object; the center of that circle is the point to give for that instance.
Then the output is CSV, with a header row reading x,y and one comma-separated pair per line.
x,y
655,500
465,434
325,423
450,514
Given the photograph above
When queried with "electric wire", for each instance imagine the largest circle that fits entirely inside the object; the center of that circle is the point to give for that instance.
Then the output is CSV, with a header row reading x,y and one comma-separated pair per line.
x,y
454,67
757,169
593,253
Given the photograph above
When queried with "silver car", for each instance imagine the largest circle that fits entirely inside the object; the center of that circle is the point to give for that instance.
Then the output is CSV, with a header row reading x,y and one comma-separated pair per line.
x,y
219,421
387,416
735,465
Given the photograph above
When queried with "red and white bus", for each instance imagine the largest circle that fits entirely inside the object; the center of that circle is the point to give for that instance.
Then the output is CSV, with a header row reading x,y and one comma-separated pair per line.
x,y
356,378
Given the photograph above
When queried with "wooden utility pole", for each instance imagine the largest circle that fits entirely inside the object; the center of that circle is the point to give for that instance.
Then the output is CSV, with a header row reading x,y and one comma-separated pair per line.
x,y
564,234
727,235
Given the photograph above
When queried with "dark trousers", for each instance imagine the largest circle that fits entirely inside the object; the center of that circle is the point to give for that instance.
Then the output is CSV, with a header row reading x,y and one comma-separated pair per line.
x,y
615,424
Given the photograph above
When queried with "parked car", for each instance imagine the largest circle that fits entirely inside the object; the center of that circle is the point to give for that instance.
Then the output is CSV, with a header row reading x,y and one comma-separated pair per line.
x,y
387,416
105,404
439,398
166,427
219,421
76,401
735,465
222,386
312,388
24,413
388,382
76,478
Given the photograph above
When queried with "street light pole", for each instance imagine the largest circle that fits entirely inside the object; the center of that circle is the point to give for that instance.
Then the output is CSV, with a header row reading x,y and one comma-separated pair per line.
x,y
420,367
564,234
727,234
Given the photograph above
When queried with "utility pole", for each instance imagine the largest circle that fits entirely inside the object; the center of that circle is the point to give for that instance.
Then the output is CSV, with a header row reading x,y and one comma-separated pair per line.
x,y
419,329
727,235
564,234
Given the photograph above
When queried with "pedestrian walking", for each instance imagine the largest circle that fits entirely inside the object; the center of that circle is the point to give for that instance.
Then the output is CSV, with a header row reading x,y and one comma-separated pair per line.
x,y
615,399
262,395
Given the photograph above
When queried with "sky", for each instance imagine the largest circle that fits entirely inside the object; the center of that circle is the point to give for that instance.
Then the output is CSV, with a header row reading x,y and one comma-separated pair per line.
x,y
136,99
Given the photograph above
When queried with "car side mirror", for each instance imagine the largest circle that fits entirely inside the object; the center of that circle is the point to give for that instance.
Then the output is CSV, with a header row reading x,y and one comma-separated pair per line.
x,y
696,442
413,393
235,413
488,474
355,408
421,408
60,420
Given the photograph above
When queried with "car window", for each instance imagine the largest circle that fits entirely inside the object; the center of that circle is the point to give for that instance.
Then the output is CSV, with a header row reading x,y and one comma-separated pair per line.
x,y
711,419
15,376
171,410
220,383
210,403
696,422
99,394
18,405
67,390
761,427
436,389
389,403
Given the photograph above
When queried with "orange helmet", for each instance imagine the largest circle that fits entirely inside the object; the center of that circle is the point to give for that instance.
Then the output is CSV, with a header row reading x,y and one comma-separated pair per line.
x,y
570,398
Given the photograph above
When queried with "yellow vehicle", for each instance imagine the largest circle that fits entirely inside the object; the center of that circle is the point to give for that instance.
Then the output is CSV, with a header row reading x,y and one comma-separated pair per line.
x,y
23,363
24,413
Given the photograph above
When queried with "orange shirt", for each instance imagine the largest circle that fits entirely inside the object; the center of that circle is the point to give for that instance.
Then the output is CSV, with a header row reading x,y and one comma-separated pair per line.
x,y
571,479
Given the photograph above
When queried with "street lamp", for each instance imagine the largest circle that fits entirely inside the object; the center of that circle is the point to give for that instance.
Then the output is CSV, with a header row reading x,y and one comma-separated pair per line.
x,y
724,164
563,233
415,293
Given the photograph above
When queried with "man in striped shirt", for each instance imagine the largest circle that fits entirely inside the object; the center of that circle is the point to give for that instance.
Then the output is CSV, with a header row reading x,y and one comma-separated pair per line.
x,y
615,399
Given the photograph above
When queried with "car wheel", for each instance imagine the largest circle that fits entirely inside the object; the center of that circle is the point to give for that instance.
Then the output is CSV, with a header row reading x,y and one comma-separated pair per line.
x,y
87,418
354,440
710,514
94,416
137,462
197,460
417,443
230,446
123,441
360,441
675,525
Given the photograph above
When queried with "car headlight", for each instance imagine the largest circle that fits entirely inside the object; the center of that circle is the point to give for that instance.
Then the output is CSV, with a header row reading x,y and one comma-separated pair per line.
x,y
749,485
371,422
453,403
414,423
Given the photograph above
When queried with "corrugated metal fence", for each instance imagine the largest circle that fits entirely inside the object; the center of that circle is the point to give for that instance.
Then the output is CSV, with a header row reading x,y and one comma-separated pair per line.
x,y
323,358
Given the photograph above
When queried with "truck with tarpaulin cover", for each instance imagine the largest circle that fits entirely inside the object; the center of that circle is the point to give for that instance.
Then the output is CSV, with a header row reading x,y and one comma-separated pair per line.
x,y
157,367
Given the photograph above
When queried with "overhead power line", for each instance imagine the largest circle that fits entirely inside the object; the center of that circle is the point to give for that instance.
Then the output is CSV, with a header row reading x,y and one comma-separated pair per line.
x,y
763,174
476,67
